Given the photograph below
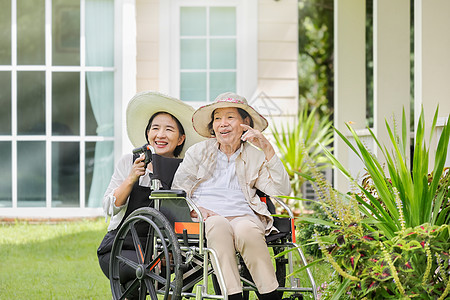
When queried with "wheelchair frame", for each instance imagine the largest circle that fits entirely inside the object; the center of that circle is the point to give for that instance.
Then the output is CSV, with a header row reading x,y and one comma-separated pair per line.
x,y
191,250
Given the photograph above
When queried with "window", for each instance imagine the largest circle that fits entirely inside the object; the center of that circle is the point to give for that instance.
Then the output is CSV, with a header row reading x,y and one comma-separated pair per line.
x,y
207,43
207,52
57,98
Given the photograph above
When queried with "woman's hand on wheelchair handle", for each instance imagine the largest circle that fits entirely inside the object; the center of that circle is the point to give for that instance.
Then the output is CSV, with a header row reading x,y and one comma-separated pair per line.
x,y
138,169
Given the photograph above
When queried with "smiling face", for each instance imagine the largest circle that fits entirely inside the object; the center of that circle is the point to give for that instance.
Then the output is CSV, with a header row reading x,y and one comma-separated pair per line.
x,y
227,127
164,135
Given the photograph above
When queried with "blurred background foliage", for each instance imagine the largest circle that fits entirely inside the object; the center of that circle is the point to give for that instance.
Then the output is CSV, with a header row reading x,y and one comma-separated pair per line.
x,y
302,139
315,62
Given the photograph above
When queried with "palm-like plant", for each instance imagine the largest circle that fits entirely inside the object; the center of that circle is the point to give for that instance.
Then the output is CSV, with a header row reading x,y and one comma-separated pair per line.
x,y
302,139
390,240
424,196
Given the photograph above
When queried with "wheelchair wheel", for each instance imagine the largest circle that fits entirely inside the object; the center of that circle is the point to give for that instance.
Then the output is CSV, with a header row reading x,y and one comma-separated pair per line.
x,y
158,268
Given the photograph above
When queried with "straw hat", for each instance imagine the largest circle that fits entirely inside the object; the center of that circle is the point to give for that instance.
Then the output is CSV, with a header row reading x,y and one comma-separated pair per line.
x,y
202,116
143,105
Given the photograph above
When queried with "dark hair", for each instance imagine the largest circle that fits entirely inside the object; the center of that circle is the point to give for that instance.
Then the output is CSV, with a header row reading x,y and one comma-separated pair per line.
x,y
179,148
244,114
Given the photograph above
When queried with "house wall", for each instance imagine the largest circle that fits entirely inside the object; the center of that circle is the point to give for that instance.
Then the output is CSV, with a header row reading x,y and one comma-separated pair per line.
x,y
391,31
147,45
432,65
277,57
277,54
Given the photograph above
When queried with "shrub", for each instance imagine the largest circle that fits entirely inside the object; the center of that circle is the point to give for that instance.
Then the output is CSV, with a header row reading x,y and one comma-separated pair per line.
x,y
390,240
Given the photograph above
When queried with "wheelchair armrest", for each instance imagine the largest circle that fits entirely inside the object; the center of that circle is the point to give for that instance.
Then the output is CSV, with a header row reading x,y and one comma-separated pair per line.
x,y
284,205
285,225
282,224
270,205
168,193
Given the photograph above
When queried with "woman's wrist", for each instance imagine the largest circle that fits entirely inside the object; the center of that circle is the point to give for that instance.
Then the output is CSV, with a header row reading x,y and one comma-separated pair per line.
x,y
130,180
268,151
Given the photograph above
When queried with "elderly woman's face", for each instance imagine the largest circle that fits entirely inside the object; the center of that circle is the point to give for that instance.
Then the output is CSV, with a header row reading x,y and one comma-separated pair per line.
x,y
227,126
164,135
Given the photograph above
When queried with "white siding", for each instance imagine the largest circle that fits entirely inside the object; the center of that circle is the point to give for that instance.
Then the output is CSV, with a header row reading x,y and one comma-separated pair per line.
x,y
147,44
278,55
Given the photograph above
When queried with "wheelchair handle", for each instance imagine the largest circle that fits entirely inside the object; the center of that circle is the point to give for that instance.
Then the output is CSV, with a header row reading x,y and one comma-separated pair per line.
x,y
148,152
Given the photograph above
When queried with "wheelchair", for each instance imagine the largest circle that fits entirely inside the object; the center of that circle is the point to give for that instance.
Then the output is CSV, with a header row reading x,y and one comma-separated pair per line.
x,y
173,260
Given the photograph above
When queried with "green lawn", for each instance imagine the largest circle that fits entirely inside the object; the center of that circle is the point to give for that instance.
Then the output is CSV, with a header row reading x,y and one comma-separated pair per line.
x,y
59,261
52,261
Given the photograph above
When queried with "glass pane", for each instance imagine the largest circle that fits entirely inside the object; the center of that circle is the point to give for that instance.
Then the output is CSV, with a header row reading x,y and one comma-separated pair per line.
x,y
193,54
66,103
99,22
89,166
193,86
31,174
222,21
30,102
65,174
91,123
99,169
221,83
223,54
5,175
100,103
192,21
66,32
5,32
30,32
5,103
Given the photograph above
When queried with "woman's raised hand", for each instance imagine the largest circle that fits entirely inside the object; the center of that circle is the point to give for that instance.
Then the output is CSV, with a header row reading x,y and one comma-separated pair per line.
x,y
138,169
259,140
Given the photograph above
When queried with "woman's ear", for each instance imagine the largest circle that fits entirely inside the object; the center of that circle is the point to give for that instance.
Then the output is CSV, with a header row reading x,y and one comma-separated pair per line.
x,y
181,139
146,136
247,121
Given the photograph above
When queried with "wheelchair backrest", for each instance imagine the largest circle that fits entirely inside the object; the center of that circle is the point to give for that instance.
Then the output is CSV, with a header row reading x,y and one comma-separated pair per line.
x,y
172,203
164,169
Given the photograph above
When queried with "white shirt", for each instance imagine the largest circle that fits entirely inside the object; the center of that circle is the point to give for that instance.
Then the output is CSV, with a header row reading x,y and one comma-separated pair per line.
x,y
221,193
121,172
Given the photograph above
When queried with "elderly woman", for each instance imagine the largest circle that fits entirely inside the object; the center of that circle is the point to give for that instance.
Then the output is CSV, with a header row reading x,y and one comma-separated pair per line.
x,y
165,124
221,175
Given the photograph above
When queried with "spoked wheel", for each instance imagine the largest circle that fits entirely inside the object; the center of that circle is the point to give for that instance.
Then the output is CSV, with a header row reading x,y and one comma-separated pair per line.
x,y
158,255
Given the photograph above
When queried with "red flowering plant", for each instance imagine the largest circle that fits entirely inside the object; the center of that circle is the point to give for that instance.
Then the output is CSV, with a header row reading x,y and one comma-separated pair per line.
x,y
412,264
390,236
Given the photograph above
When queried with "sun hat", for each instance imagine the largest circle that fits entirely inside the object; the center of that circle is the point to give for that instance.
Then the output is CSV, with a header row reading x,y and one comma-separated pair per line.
x,y
145,104
202,116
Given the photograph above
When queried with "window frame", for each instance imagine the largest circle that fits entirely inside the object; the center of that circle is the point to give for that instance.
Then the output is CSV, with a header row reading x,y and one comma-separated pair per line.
x,y
246,45
119,90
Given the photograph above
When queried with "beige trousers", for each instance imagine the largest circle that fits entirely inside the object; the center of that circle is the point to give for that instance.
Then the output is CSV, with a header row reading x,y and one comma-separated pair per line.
x,y
246,235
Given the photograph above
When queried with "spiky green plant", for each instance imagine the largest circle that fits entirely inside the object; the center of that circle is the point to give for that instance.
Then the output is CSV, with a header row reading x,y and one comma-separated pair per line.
x,y
390,239
424,197
304,136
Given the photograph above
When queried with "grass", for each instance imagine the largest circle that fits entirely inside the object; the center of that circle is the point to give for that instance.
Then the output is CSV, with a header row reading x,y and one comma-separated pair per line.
x,y
52,261
59,261
321,272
